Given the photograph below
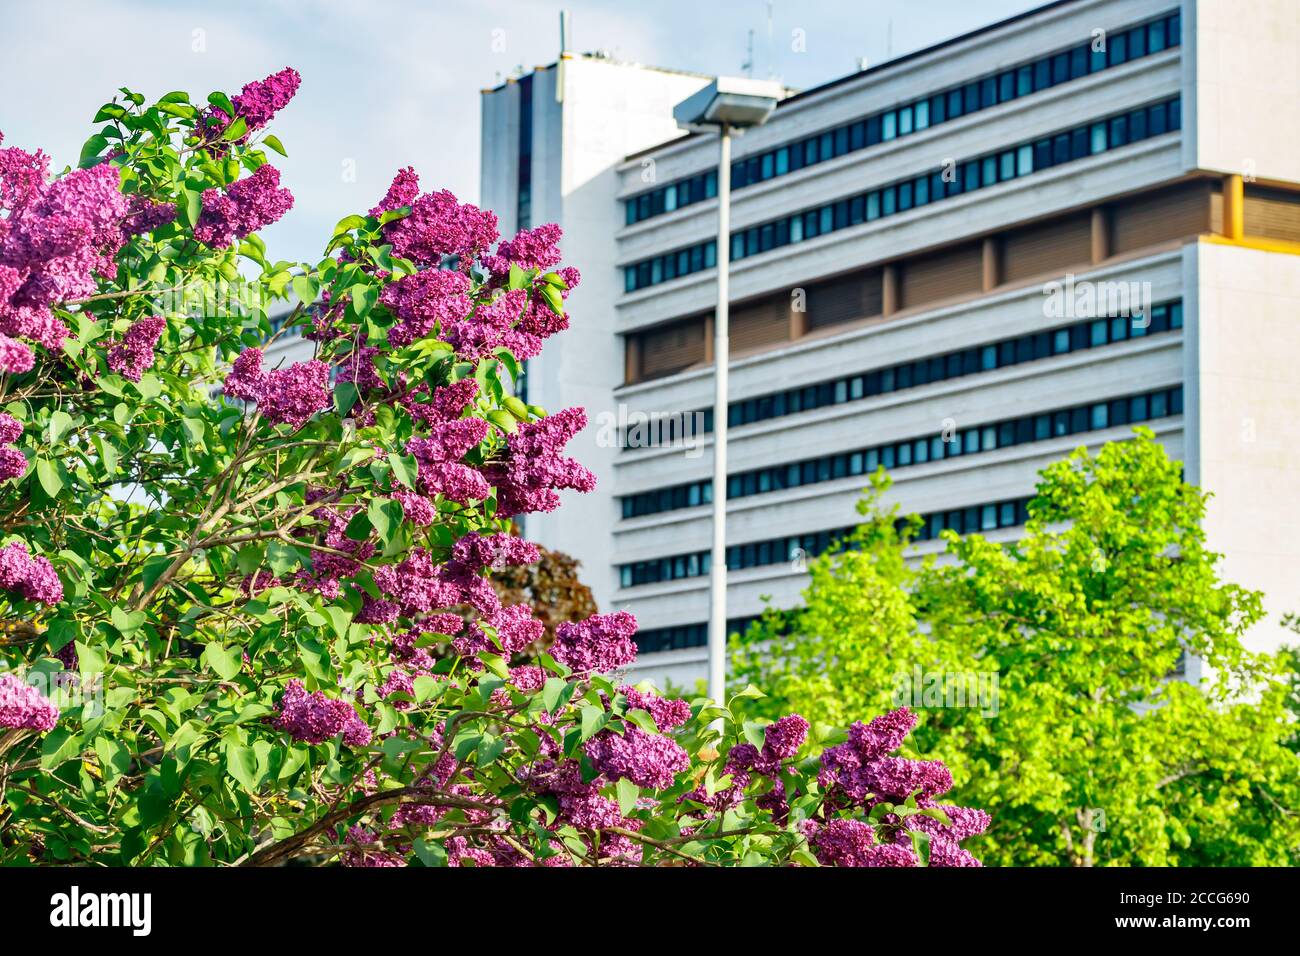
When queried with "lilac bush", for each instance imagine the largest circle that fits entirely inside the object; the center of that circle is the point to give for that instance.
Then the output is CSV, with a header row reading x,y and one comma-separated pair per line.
x,y
276,577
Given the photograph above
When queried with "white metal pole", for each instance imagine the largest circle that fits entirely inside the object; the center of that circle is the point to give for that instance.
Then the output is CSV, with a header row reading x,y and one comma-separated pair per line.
x,y
721,356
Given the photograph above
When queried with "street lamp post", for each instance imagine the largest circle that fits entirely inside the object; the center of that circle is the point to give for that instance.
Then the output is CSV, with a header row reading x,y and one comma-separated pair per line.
x,y
727,104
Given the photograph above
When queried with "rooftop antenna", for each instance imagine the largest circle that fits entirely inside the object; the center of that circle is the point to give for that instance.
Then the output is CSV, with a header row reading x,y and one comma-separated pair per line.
x,y
566,31
566,44
771,47
748,65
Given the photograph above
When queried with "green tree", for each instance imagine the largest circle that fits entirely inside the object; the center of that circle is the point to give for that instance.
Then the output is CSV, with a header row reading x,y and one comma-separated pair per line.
x,y
1089,753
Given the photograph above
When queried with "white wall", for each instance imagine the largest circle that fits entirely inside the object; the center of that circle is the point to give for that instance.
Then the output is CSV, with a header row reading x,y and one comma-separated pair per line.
x,y
1243,372
1243,77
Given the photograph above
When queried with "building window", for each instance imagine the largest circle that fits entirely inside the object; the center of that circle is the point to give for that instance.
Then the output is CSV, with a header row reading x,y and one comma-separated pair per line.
x,y
1122,46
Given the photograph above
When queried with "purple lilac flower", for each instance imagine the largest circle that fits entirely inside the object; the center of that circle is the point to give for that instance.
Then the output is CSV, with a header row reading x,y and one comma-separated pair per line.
x,y
134,354
602,643
247,206
535,468
11,429
667,713
648,760
260,100
439,226
314,718
13,463
25,707
405,187
31,577
428,300
15,357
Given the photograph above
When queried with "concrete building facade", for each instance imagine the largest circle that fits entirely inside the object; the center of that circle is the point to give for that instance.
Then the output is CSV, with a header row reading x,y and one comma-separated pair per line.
x,y
961,264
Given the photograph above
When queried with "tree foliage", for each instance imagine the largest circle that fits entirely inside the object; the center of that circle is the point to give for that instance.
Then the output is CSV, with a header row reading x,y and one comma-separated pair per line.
x,y
1088,752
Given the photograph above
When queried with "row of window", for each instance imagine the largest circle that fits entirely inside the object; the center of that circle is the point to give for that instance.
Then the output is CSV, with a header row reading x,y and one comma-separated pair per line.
x,y
682,636
1164,317
1010,84
1131,410
796,549
1012,163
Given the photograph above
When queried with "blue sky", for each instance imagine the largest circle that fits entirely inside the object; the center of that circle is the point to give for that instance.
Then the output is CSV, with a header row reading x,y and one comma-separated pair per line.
x,y
388,84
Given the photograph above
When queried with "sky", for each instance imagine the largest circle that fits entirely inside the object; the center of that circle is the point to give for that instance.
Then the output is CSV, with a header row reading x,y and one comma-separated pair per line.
x,y
392,83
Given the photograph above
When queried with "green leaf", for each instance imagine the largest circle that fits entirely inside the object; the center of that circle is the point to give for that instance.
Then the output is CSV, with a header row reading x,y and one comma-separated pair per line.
x,y
60,424
191,206
503,420
495,664
236,130
643,719
345,396
274,143
921,845
282,557
225,662
489,749
50,476
518,278
348,223
404,468
593,721
364,298
126,624
195,430
222,102
306,289
553,693
153,569
242,763
385,517
628,793
58,747
149,387
91,150
430,852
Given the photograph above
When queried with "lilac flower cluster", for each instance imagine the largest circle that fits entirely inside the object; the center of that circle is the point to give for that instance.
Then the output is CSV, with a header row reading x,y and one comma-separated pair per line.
x,y
666,712
32,578
284,396
648,760
439,454
428,300
314,718
24,707
260,100
56,238
134,354
16,357
247,206
13,463
600,644
781,741
438,226
402,192
861,773
530,249
144,215
535,468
